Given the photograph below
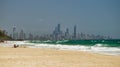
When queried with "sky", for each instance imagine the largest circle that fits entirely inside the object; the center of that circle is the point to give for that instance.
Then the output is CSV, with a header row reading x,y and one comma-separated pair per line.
x,y
42,16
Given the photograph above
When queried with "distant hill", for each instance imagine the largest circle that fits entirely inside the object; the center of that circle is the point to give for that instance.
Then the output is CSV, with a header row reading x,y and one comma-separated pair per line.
x,y
3,36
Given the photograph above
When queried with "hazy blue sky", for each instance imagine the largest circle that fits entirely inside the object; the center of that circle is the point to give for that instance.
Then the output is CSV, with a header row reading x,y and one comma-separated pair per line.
x,y
41,16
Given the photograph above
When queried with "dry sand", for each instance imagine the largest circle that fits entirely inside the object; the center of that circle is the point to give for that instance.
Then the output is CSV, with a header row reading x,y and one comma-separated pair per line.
x,y
38,57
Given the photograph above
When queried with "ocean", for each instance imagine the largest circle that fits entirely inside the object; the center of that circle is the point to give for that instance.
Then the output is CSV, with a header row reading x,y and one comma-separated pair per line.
x,y
109,47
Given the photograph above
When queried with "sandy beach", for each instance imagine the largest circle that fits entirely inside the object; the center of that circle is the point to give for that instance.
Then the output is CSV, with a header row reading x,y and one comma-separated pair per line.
x,y
39,57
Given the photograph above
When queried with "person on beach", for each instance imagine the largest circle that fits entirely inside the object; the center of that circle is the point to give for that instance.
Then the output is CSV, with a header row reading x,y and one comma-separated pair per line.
x,y
1,40
15,46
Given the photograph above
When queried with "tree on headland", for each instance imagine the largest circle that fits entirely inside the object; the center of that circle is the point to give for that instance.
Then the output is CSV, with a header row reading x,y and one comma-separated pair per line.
x,y
3,36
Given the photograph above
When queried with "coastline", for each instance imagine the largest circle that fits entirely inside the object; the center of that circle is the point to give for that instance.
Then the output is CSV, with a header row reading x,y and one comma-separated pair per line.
x,y
45,57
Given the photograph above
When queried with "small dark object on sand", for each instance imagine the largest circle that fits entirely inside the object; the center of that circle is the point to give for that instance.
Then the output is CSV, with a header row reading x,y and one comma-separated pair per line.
x,y
15,46
1,40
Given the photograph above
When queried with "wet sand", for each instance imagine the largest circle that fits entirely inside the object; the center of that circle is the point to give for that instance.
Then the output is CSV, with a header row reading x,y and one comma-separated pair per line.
x,y
39,57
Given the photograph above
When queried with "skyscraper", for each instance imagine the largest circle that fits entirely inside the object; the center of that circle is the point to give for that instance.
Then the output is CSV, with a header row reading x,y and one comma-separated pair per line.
x,y
14,31
67,33
74,34
57,32
21,35
30,36
58,27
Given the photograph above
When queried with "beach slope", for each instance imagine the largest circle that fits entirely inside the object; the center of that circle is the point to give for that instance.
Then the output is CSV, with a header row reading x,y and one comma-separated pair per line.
x,y
38,57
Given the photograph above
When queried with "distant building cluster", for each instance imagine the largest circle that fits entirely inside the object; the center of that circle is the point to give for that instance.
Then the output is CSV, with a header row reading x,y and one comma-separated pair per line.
x,y
18,35
57,34
60,35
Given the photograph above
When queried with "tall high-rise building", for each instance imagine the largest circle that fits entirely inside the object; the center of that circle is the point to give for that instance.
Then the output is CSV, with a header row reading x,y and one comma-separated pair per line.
x,y
67,31
30,37
21,35
57,32
67,34
14,32
16,35
58,27
74,34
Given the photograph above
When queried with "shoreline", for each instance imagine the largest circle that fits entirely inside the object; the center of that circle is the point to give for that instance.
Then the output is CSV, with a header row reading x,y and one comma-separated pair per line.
x,y
97,49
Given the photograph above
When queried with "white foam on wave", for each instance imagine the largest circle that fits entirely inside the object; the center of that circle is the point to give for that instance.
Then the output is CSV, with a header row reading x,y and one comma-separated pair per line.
x,y
106,50
11,43
94,49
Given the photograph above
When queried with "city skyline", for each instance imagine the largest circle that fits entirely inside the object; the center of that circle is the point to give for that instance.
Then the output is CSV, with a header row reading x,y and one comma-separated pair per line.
x,y
56,34
99,17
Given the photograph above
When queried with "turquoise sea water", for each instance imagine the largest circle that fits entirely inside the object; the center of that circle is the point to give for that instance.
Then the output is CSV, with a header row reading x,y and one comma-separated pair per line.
x,y
102,43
